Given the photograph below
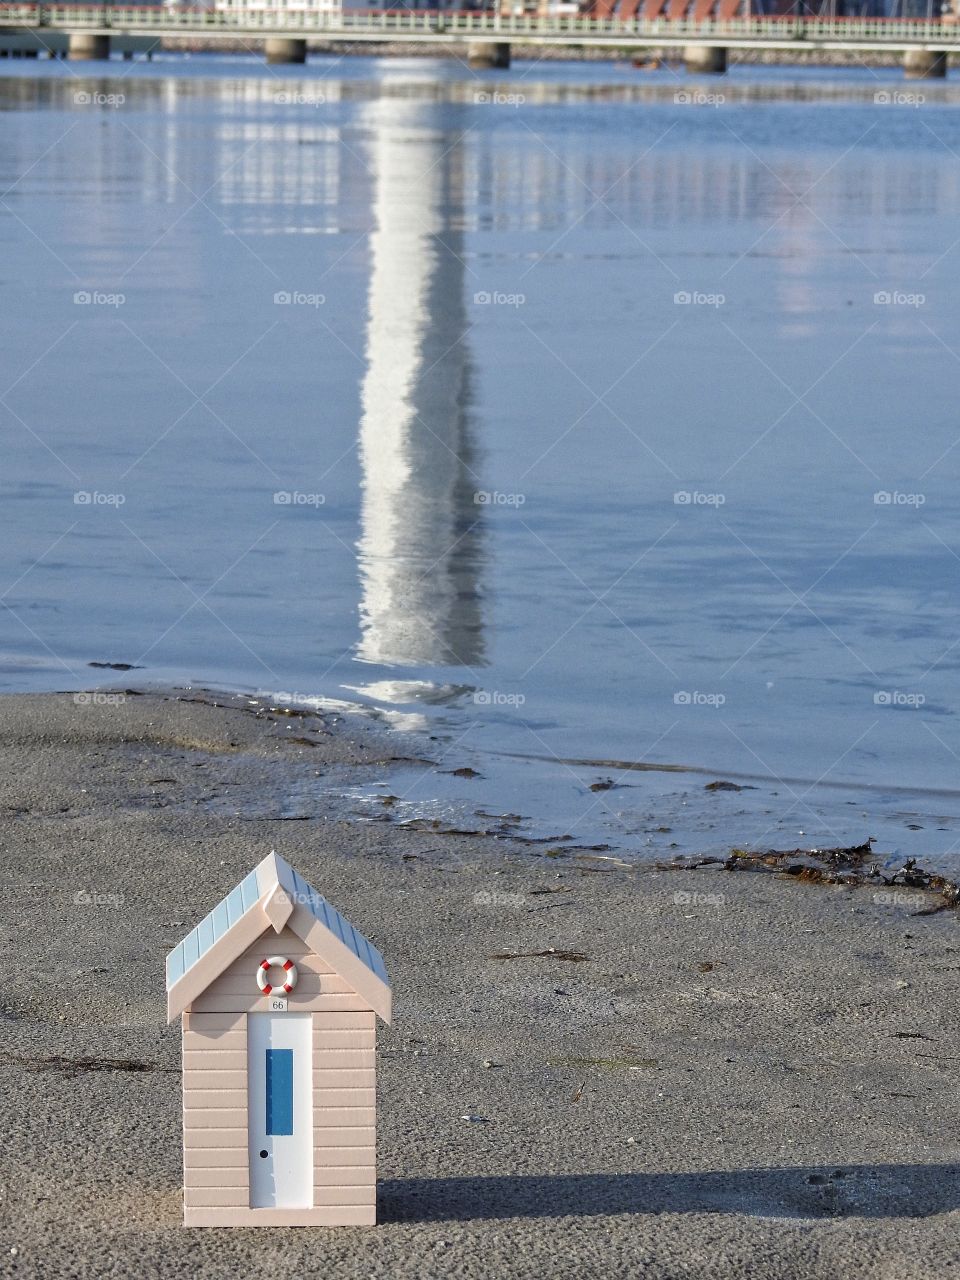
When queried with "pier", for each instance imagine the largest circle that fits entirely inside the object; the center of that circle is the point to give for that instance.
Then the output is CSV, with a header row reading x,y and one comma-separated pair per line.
x,y
91,31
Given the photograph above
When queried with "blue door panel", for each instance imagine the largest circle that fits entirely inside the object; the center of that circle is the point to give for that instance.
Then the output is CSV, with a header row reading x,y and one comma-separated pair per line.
x,y
279,1068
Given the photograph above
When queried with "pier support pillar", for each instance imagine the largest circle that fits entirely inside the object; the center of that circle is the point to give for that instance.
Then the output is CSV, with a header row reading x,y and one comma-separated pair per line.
x,y
283,49
88,48
924,64
709,58
493,54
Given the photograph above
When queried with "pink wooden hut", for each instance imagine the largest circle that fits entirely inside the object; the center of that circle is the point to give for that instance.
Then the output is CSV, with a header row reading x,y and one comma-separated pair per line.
x,y
279,996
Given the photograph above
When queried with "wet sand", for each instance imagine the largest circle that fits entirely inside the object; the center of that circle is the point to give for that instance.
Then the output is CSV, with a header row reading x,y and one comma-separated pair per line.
x,y
740,1074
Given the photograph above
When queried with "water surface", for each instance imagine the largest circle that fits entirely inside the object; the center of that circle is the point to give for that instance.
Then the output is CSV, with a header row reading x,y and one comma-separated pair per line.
x,y
576,424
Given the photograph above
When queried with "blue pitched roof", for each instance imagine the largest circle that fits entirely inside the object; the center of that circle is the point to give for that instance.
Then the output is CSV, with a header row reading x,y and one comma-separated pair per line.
x,y
272,871
338,925
199,940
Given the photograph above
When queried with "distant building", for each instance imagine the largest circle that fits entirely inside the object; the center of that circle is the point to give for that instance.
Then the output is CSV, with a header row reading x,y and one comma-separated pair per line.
x,y
852,8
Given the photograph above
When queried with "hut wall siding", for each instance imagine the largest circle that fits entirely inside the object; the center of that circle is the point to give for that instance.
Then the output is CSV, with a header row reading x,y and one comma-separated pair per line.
x,y
324,1216
215,1164
344,1117
298,1002
318,987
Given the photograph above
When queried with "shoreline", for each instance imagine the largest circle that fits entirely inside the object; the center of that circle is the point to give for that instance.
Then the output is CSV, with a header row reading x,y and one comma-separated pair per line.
x,y
644,813
740,1072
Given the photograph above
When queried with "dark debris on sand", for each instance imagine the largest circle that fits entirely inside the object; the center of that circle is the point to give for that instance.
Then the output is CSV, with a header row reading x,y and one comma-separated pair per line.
x,y
846,865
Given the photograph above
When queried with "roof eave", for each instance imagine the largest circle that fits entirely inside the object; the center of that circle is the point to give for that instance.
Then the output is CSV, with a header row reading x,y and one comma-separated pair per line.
x,y
344,961
214,961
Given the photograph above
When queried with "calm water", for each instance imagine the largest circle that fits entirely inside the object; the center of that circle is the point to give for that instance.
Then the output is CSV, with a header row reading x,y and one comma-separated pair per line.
x,y
388,394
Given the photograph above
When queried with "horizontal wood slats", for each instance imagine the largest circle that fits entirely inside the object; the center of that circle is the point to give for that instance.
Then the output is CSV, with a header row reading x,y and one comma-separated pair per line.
x,y
364,1215
345,1195
255,1001
234,1040
340,1039
234,1197
215,1118
334,1099
353,1136
234,983
219,1176
344,1175
318,989
333,1157
343,1117
358,1022
196,1158
217,1138
345,1059
211,1023
212,1060
202,1099
215,1158
202,1197
212,1075
336,1078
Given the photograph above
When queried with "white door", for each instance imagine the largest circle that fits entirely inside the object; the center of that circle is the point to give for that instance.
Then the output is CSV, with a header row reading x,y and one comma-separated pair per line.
x,y
280,1110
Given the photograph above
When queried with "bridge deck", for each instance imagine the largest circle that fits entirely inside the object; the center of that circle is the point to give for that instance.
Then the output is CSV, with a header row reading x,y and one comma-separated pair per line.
x,y
242,22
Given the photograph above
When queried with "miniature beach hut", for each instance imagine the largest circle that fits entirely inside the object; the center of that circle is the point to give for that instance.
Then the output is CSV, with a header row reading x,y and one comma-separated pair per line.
x,y
279,996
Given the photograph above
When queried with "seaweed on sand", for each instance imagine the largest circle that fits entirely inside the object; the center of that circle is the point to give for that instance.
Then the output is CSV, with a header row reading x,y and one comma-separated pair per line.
x,y
855,865
73,1066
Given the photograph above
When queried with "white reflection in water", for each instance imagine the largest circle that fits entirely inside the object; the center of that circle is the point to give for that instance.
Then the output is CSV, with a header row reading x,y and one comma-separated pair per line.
x,y
419,546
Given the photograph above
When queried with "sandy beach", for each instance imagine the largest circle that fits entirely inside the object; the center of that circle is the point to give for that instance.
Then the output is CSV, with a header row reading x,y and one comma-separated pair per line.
x,y
592,1071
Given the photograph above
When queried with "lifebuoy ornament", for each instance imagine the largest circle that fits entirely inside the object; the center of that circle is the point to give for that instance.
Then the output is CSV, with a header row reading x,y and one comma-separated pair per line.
x,y
277,962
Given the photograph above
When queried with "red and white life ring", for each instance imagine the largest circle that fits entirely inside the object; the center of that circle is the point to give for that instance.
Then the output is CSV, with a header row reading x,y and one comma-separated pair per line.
x,y
276,962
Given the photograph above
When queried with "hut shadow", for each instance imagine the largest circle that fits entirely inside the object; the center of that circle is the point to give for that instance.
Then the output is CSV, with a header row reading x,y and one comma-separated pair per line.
x,y
816,1191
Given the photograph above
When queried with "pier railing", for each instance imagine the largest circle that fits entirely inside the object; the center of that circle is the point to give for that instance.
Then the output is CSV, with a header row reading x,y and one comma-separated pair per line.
x,y
243,17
